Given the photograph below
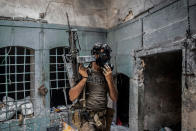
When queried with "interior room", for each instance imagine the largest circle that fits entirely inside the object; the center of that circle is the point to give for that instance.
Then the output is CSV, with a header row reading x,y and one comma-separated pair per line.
x,y
112,65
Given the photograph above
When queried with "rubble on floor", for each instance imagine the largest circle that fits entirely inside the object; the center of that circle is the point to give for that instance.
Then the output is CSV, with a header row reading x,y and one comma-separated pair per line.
x,y
9,107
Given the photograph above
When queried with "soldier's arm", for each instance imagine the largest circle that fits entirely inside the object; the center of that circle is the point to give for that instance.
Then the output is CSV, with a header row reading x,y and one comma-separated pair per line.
x,y
109,78
76,90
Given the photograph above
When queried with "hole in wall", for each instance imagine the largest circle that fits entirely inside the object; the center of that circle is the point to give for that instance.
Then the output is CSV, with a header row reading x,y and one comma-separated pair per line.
x,y
162,91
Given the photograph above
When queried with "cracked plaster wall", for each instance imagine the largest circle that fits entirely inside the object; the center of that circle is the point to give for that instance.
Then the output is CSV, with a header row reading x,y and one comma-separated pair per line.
x,y
161,29
124,10
91,13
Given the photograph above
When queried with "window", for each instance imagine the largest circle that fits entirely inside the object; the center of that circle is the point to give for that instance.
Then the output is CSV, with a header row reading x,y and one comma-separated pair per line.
x,y
16,82
59,84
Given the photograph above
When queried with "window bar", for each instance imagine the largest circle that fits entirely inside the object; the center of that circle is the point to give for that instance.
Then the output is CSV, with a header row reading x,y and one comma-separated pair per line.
x,y
18,91
56,62
6,84
9,72
56,89
32,77
15,55
52,55
57,69
16,80
58,79
16,73
19,64
24,78
64,89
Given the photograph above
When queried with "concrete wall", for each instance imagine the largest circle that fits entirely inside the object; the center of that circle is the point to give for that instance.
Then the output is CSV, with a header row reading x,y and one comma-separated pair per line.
x,y
124,39
41,38
90,13
161,29
189,93
93,13
154,29
124,10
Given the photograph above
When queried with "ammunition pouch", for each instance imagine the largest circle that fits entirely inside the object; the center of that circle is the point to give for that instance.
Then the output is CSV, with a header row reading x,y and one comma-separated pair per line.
x,y
76,119
99,118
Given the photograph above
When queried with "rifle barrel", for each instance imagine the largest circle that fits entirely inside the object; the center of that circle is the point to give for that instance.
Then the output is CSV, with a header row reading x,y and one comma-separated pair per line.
x,y
68,21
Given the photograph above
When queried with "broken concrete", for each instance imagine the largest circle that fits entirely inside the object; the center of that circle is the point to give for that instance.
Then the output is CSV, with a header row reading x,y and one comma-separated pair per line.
x,y
155,32
150,27
122,11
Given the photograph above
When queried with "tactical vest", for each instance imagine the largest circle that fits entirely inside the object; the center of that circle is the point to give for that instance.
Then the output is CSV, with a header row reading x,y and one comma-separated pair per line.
x,y
96,91
94,97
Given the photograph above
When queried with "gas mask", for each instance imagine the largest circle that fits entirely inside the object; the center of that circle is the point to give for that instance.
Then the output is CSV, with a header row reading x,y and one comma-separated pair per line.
x,y
103,59
103,53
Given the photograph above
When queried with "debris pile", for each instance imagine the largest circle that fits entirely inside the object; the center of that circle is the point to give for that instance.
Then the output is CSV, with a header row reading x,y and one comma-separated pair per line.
x,y
9,107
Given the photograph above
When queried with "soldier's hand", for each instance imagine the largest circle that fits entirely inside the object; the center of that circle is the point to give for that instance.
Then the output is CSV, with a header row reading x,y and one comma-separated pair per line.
x,y
83,71
107,71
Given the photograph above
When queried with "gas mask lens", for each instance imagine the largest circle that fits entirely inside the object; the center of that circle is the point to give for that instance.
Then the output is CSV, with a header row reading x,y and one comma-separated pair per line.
x,y
103,60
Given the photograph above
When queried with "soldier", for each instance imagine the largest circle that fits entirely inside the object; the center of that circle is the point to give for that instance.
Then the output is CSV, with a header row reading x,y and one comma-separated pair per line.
x,y
98,81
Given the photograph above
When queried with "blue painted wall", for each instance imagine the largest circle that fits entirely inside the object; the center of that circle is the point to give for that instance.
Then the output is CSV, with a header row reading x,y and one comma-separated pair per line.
x,y
41,38
159,26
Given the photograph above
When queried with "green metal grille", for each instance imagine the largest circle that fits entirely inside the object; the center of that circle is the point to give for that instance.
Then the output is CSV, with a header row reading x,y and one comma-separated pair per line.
x,y
59,84
15,75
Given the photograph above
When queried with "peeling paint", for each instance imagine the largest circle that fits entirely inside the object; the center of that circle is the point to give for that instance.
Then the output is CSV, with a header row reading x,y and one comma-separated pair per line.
x,y
91,13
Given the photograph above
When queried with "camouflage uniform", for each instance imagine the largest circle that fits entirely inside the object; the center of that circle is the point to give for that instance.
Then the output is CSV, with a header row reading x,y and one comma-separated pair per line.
x,y
94,117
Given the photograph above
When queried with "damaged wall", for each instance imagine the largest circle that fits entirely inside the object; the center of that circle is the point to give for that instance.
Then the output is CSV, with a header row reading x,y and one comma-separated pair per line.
x,y
154,29
41,38
189,99
122,11
161,29
91,13
152,32
189,91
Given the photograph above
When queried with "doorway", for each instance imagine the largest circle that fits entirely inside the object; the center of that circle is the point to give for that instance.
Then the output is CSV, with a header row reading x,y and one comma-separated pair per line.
x,y
162,91
123,100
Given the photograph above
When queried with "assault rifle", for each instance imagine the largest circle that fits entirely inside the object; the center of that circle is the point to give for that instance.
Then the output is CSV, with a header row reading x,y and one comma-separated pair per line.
x,y
70,59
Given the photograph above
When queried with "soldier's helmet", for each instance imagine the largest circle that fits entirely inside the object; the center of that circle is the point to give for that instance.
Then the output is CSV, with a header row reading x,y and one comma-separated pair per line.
x,y
101,46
